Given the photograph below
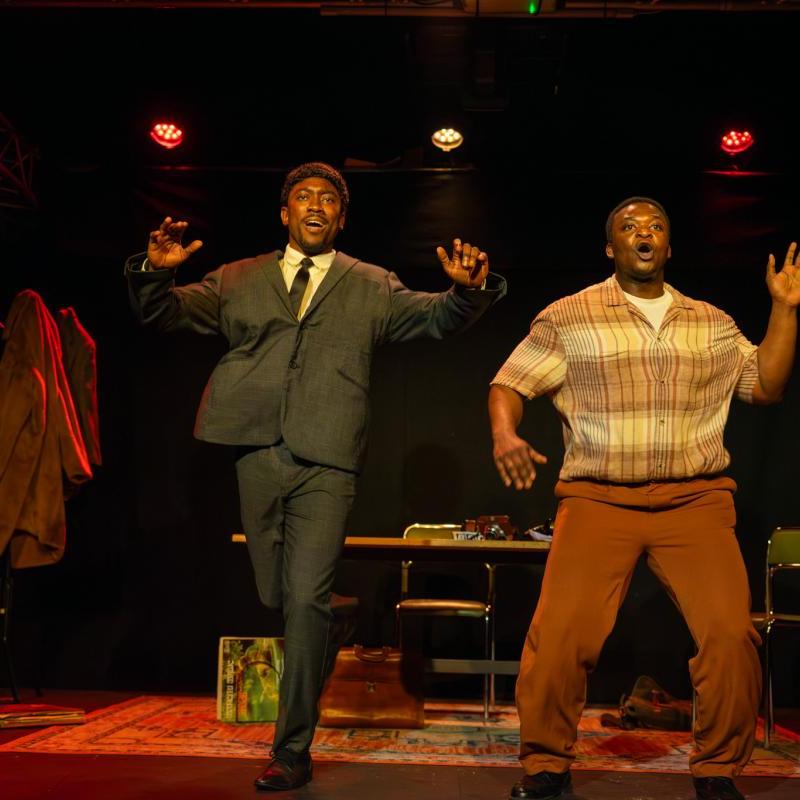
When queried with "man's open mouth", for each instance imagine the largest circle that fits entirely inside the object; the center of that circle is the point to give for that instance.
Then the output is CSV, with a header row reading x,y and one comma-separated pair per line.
x,y
314,223
644,250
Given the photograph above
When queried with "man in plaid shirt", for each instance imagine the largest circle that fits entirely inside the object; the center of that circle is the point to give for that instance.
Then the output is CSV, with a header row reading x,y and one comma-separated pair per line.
x,y
642,378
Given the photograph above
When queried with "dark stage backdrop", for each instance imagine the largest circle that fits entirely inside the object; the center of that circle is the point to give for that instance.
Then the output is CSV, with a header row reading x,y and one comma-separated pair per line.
x,y
561,119
151,579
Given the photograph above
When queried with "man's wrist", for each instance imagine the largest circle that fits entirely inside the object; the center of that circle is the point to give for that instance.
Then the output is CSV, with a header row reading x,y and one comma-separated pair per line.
x,y
782,307
467,288
149,266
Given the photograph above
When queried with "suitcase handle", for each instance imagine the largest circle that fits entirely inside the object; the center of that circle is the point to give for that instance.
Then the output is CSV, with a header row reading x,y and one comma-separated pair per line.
x,y
373,654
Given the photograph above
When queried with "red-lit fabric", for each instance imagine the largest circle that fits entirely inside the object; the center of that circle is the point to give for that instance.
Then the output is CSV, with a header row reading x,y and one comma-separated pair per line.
x,y
79,356
41,446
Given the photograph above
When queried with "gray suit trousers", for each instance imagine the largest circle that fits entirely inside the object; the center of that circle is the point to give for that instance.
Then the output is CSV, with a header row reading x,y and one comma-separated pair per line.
x,y
294,514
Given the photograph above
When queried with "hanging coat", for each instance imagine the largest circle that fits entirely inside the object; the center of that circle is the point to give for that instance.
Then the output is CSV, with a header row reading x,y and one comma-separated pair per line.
x,y
41,447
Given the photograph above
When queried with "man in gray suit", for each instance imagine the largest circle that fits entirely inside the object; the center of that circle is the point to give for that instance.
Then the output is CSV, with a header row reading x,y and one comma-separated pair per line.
x,y
292,394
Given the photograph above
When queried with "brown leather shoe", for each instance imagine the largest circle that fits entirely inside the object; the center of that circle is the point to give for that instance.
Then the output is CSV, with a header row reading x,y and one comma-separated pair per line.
x,y
542,786
286,770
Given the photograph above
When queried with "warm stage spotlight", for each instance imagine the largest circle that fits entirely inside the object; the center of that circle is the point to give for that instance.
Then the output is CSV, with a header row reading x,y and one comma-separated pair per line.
x,y
447,139
166,134
735,142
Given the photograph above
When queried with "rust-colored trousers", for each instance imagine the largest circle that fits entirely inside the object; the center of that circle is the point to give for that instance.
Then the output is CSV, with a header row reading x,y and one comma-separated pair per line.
x,y
686,529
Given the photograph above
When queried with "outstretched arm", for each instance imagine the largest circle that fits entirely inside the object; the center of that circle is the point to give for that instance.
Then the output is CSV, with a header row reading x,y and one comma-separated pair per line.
x,y
438,314
514,458
154,297
776,352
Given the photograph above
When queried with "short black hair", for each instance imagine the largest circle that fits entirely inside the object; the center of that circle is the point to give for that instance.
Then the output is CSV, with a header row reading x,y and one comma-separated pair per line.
x,y
627,202
316,169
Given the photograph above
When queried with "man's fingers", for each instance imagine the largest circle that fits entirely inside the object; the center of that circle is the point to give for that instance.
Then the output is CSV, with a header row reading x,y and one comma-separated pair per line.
x,y
193,247
174,228
481,268
524,473
470,258
537,457
441,254
517,477
501,469
770,266
177,229
790,255
527,469
457,253
517,468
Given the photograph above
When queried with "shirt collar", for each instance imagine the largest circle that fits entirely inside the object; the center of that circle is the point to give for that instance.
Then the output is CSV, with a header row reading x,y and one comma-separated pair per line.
x,y
614,296
292,258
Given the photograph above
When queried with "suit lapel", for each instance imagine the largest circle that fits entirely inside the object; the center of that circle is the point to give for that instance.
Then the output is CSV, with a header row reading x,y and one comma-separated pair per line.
x,y
272,272
342,264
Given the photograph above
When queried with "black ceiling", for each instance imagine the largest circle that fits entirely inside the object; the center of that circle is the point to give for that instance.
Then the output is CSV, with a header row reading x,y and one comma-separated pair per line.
x,y
266,87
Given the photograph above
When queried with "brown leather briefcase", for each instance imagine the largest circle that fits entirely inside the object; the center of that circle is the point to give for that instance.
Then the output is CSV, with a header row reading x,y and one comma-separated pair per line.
x,y
373,688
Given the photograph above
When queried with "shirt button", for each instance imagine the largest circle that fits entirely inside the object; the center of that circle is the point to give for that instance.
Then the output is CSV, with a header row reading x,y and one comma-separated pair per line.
x,y
661,422
292,365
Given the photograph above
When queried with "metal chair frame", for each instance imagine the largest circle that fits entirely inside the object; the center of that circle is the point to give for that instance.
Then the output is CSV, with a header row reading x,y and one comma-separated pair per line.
x,y
424,531
782,554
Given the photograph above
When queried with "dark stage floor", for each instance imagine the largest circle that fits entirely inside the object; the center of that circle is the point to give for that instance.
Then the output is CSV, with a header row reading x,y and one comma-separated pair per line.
x,y
27,776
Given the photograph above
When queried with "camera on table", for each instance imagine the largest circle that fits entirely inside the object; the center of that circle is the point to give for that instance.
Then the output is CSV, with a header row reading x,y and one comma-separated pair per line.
x,y
491,527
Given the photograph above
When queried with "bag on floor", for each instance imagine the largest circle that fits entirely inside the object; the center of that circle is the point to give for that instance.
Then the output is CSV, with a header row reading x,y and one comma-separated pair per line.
x,y
373,688
649,706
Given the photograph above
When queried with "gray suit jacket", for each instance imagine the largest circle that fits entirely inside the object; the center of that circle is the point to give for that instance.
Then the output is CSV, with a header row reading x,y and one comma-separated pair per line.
x,y
305,382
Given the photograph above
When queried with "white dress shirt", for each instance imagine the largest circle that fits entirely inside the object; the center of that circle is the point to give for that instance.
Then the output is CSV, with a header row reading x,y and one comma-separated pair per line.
x,y
290,265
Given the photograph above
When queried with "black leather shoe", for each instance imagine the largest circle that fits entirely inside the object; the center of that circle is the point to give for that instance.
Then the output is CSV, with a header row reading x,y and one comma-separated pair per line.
x,y
716,789
542,786
286,770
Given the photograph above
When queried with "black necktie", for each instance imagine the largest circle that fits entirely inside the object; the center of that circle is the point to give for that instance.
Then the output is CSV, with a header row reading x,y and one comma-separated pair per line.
x,y
299,285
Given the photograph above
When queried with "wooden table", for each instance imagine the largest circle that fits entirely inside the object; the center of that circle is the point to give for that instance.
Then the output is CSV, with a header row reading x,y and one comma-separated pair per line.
x,y
392,548
395,548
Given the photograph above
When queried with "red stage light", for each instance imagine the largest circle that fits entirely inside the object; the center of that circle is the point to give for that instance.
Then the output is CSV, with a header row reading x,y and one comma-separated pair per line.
x,y
166,134
735,142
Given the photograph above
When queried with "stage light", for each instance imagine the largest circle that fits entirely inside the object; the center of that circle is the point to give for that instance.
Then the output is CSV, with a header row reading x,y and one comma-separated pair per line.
x,y
166,134
735,142
447,139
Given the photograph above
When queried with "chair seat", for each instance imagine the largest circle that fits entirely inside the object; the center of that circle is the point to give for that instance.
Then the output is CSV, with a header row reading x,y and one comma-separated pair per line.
x,y
760,619
795,618
444,608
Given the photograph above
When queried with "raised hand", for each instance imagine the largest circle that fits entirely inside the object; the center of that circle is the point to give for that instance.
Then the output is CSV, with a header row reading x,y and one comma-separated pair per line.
x,y
515,460
468,266
784,286
164,248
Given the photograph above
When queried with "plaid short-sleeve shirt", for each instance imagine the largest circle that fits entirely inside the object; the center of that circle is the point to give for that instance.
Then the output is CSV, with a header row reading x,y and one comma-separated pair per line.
x,y
637,404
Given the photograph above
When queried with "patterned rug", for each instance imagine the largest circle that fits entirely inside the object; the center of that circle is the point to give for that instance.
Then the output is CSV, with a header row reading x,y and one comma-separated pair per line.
x,y
453,735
